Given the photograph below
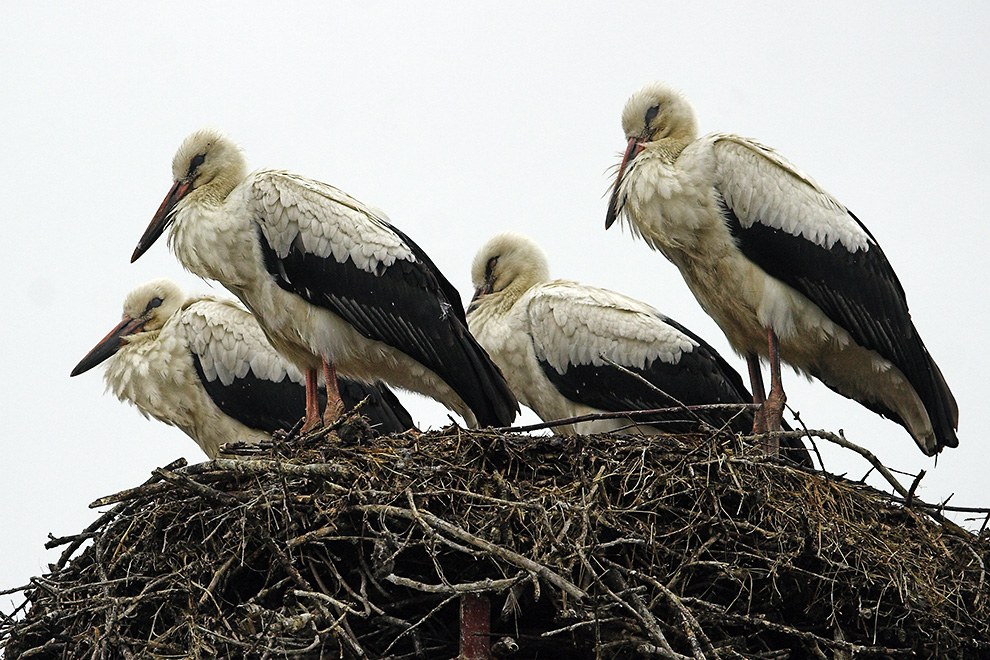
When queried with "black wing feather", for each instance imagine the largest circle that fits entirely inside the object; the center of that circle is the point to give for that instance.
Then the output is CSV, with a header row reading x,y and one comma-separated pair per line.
x,y
699,377
860,292
696,378
410,306
256,403
265,405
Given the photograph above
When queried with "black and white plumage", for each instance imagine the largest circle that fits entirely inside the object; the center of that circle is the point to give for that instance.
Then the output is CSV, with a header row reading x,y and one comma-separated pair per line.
x,y
202,364
769,254
558,343
329,279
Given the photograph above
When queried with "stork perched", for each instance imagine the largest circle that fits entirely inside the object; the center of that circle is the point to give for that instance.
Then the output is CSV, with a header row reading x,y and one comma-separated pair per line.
x,y
559,342
202,364
785,270
329,279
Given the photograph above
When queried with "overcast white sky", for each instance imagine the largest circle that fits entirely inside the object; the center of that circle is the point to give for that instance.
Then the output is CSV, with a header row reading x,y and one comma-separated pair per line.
x,y
461,120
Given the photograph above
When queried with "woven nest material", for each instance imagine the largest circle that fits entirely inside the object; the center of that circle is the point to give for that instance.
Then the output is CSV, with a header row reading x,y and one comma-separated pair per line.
x,y
583,547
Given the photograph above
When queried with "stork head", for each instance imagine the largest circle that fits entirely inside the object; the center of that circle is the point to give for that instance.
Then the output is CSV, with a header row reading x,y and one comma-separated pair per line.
x,y
508,260
208,163
656,114
146,310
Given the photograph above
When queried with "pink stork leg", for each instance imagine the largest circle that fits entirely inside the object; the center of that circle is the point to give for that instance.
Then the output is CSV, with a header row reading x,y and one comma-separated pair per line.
x,y
312,419
756,378
771,411
335,406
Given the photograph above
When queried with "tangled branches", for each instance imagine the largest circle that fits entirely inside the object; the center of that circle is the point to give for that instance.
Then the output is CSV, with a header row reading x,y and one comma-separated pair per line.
x,y
591,547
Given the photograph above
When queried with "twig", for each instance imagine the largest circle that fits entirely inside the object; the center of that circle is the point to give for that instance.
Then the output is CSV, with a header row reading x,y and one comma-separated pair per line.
x,y
480,586
244,466
914,487
631,414
642,614
690,622
207,493
453,530
327,599
854,649
414,626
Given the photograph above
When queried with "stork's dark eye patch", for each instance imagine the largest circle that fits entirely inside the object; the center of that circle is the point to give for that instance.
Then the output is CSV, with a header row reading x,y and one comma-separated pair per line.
x,y
195,163
651,114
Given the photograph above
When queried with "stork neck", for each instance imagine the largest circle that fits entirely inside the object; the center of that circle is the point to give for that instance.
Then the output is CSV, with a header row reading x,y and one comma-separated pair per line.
x,y
668,149
212,240
215,192
495,304
510,295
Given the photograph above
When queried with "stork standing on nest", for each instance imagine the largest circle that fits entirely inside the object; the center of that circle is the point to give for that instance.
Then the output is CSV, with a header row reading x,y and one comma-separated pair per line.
x,y
785,270
329,279
569,349
202,364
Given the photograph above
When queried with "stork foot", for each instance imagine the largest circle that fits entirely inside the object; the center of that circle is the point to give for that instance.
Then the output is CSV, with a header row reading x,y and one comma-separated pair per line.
x,y
311,423
312,419
335,406
333,411
768,417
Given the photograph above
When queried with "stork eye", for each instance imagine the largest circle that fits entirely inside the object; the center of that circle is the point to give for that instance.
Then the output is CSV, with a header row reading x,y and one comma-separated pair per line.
x,y
154,302
195,163
651,114
490,266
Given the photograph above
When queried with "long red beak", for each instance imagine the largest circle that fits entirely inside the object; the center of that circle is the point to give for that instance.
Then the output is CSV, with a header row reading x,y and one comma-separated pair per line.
x,y
108,345
163,218
632,149
483,290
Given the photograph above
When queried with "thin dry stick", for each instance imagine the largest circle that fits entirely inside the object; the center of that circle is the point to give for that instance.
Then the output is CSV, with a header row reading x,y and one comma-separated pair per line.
x,y
453,530
480,586
656,389
854,649
631,414
690,621
913,488
639,610
131,493
242,466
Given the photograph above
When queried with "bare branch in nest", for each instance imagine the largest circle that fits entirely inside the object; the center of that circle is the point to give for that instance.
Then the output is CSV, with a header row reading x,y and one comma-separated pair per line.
x,y
458,533
481,586
642,415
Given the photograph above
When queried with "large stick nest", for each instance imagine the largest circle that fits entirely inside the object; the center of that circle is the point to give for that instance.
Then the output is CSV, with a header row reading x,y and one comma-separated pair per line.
x,y
587,547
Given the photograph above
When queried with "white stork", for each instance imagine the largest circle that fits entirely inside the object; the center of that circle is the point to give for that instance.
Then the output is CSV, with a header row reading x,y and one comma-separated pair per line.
x,y
203,364
785,270
329,279
558,343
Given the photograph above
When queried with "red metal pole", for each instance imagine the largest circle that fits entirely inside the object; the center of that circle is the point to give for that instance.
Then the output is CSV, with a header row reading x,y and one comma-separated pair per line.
x,y
475,627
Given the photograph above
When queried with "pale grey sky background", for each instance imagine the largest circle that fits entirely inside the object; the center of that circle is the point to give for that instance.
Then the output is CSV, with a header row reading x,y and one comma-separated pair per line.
x,y
461,120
